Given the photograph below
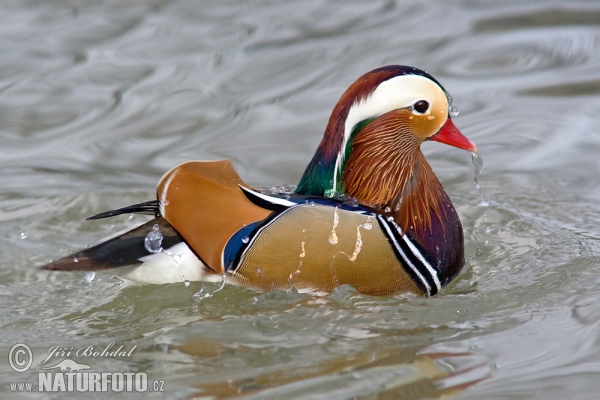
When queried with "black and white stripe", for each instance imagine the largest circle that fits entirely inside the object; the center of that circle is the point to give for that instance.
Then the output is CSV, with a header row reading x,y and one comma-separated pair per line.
x,y
416,265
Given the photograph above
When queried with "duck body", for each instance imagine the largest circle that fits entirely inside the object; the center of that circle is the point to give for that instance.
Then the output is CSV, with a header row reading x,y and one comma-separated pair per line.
x,y
368,210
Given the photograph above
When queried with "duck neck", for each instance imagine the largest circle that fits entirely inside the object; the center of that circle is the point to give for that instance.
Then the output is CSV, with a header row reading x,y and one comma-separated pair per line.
x,y
403,187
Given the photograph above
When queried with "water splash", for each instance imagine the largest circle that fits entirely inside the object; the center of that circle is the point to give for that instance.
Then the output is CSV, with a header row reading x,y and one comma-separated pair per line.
x,y
333,239
330,193
89,277
357,245
336,281
343,197
350,201
277,190
153,240
297,272
484,201
206,292
177,259
454,111
398,205
368,225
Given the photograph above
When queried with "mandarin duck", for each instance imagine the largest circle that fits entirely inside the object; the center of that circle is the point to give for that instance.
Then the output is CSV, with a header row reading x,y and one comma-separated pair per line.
x,y
368,211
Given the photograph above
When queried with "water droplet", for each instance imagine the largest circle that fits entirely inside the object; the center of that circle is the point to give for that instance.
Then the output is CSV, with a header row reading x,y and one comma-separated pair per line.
x,y
357,245
477,167
312,203
287,196
166,203
245,239
298,269
329,193
390,219
430,117
387,210
75,260
130,217
205,292
153,240
23,235
368,225
454,111
259,271
303,252
186,283
350,201
336,218
333,239
89,277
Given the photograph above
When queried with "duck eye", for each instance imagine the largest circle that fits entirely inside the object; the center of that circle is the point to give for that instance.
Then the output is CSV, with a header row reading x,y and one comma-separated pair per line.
x,y
421,106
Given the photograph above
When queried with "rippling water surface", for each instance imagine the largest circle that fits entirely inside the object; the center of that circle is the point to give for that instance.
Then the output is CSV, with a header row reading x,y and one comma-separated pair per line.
x,y
98,99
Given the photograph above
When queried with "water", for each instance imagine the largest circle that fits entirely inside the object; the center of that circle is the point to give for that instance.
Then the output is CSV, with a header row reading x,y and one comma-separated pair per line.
x,y
99,99
477,167
153,240
333,239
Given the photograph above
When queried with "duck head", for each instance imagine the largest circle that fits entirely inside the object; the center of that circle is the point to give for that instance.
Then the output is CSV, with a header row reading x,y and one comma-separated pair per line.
x,y
371,146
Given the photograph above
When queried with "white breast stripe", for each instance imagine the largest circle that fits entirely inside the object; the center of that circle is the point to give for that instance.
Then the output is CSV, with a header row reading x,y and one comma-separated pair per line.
x,y
417,253
410,264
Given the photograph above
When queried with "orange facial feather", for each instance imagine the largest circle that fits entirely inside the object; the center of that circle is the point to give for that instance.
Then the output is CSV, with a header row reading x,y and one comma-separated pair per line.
x,y
387,169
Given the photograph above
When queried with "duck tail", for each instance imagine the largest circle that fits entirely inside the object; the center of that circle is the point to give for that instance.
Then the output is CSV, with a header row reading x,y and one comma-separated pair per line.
x,y
124,249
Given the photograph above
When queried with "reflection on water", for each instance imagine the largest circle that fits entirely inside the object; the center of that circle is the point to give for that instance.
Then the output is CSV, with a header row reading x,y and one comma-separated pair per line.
x,y
98,100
